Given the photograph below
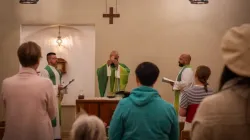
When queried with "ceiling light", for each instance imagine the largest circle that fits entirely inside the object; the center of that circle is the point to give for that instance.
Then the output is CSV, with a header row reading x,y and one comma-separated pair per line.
x,y
199,1
28,1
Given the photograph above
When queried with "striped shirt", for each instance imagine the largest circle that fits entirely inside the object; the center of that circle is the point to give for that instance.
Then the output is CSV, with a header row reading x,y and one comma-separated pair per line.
x,y
194,95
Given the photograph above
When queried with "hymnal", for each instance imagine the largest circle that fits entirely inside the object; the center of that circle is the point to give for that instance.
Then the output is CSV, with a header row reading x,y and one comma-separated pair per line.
x,y
166,80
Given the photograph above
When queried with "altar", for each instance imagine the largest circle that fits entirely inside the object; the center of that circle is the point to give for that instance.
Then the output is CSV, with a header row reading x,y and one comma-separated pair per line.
x,y
102,107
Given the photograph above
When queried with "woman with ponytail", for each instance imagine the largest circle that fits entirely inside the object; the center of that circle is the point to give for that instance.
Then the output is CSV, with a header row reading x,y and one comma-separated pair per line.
x,y
191,97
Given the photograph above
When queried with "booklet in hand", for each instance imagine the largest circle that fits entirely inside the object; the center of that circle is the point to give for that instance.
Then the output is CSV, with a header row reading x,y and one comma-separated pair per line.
x,y
166,80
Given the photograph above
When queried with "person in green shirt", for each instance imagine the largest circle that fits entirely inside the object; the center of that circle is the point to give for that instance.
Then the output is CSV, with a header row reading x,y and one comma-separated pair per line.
x,y
112,76
52,73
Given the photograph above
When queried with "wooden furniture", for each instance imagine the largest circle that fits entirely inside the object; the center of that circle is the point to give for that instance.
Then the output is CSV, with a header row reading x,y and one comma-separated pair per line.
x,y
185,135
61,65
103,108
2,126
181,125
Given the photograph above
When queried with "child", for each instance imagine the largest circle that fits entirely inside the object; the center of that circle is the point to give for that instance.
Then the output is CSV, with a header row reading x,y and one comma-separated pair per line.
x,y
191,97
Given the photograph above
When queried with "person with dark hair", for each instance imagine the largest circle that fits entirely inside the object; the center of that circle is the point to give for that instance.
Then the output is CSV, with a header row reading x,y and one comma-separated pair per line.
x,y
144,115
51,72
226,115
191,97
28,99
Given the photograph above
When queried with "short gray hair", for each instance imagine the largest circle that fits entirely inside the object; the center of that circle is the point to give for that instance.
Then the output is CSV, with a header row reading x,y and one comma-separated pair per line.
x,y
88,127
114,53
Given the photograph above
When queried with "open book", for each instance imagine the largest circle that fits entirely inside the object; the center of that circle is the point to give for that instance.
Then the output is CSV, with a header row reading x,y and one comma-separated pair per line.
x,y
166,80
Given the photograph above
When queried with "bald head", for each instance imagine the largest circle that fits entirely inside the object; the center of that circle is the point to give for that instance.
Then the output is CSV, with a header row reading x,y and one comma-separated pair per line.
x,y
184,59
114,55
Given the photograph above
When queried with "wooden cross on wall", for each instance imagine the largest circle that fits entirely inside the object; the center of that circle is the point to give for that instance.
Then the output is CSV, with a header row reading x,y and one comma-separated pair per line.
x,y
111,15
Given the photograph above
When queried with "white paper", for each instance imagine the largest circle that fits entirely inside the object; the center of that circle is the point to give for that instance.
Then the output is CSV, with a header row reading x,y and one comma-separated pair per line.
x,y
167,80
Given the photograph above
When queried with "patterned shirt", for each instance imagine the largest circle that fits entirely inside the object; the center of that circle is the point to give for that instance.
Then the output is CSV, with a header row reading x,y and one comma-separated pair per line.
x,y
194,95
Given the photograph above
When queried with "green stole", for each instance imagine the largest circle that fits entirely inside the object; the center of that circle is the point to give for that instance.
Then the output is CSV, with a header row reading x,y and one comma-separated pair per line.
x,y
52,77
177,92
115,84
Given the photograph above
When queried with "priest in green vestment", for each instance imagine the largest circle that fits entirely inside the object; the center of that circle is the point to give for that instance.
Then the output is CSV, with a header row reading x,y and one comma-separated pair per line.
x,y
184,79
55,76
112,76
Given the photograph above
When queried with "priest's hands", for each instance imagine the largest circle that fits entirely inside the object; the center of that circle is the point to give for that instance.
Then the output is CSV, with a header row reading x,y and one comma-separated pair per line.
x,y
60,87
109,62
171,83
114,61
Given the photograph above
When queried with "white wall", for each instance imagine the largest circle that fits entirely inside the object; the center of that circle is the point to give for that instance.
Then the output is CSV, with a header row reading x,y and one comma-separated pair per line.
x,y
78,50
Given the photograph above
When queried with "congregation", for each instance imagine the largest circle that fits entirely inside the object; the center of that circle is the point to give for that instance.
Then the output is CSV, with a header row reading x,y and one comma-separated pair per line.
x,y
143,115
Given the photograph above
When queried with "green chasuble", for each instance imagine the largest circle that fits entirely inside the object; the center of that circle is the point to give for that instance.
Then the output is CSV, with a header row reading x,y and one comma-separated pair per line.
x,y
116,84
177,92
52,77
